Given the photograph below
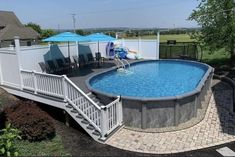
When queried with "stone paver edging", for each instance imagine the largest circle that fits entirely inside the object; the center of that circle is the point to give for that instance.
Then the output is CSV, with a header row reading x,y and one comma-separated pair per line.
x,y
216,128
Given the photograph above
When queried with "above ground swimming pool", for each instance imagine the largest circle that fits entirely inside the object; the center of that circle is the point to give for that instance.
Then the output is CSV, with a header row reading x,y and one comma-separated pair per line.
x,y
151,79
156,93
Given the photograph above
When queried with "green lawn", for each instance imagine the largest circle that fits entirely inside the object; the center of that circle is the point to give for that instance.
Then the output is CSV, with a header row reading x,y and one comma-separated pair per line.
x,y
52,147
216,58
164,38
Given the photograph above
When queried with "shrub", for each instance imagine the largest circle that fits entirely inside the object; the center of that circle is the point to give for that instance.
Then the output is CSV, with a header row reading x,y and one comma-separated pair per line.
x,y
8,138
34,124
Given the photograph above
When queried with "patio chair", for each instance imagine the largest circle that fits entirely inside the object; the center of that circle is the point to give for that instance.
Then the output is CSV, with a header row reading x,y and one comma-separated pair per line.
x,y
90,58
44,67
69,62
99,58
76,61
62,65
52,67
81,60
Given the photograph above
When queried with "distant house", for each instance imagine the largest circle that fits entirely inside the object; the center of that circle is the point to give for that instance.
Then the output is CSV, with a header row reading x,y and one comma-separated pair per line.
x,y
10,26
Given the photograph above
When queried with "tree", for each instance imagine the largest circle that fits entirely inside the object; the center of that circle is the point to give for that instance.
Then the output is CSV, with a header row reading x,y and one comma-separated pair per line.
x,y
47,33
80,32
35,26
217,21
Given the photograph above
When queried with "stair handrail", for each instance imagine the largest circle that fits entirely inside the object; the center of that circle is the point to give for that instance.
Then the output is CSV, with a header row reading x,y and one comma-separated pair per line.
x,y
127,62
103,110
119,61
85,116
80,91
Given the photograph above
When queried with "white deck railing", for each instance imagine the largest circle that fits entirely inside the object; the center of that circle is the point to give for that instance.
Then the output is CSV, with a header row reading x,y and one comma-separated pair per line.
x,y
104,118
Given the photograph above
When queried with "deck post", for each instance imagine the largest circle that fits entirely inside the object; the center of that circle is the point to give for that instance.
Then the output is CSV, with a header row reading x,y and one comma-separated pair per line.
x,y
67,119
65,89
158,45
35,82
103,120
17,49
139,45
119,109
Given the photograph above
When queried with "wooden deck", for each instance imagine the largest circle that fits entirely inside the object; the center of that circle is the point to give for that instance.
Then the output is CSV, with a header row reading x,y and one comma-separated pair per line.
x,y
80,75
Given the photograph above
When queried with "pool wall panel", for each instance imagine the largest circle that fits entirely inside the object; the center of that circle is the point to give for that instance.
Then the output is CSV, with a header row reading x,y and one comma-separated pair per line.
x,y
145,113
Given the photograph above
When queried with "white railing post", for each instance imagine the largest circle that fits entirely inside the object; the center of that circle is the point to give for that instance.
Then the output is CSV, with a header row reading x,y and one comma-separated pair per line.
x,y
119,111
65,88
139,45
158,45
35,83
103,122
17,50
123,42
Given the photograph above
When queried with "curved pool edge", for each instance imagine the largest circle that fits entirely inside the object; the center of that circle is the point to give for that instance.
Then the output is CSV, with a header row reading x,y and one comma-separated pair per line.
x,y
196,90
162,112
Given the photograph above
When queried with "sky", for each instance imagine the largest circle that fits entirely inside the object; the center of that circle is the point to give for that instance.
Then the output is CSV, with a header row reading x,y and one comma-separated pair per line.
x,y
103,13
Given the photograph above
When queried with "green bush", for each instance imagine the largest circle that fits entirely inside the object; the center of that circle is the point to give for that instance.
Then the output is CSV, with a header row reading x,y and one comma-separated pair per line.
x,y
7,141
34,124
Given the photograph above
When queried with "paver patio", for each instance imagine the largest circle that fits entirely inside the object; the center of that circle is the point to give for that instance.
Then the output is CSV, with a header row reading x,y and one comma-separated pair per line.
x,y
216,128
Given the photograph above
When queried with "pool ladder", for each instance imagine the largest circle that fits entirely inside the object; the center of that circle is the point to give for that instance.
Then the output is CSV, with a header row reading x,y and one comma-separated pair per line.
x,y
122,63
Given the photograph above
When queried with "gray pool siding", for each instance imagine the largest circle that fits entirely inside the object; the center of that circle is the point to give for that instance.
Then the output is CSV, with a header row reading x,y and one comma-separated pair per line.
x,y
163,112
159,114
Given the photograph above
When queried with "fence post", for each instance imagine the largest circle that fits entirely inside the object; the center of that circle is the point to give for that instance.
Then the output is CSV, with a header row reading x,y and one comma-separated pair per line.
x,y
139,45
17,49
123,42
103,122
65,89
158,45
35,83
119,110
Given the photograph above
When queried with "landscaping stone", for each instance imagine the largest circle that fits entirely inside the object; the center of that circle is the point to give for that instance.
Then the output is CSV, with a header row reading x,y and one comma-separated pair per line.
x,y
216,128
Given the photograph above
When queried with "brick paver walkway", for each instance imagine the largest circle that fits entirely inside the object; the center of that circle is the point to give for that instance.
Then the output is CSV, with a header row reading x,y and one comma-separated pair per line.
x,y
216,128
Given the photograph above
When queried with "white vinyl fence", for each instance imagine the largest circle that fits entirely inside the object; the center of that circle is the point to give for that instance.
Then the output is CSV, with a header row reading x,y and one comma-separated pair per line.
x,y
31,56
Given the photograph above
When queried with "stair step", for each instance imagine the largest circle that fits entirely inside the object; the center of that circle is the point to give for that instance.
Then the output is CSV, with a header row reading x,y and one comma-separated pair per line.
x,y
91,96
96,100
100,104
97,133
91,127
79,116
69,106
84,121
74,111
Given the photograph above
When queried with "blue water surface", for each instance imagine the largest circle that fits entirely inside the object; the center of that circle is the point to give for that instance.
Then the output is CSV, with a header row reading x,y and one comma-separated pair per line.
x,y
151,79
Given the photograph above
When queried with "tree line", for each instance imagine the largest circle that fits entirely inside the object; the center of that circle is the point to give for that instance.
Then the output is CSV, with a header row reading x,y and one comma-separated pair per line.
x,y
44,33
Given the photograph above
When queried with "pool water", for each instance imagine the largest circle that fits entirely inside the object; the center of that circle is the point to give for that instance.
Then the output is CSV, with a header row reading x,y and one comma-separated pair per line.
x,y
151,79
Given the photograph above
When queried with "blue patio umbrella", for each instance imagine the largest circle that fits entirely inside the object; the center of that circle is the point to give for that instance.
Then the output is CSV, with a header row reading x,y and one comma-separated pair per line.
x,y
100,37
67,37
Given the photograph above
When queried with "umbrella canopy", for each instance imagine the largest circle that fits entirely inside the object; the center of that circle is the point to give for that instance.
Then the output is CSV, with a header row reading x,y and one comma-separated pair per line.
x,y
66,37
100,37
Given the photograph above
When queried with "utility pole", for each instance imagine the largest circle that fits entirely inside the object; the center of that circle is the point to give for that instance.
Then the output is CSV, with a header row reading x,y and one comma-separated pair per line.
x,y
74,22
58,28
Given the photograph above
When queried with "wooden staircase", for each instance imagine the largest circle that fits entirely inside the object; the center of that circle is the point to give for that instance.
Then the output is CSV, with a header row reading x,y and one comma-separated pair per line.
x,y
97,119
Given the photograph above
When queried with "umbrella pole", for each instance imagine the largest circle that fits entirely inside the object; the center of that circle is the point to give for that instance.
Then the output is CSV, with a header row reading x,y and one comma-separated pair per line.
x,y
68,50
69,55
98,46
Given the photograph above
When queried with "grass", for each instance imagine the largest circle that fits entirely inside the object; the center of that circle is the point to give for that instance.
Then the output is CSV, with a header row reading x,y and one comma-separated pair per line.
x,y
164,38
217,58
52,147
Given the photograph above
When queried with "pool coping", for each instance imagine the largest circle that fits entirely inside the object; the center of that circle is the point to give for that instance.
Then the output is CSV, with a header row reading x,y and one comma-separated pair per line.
x,y
200,85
